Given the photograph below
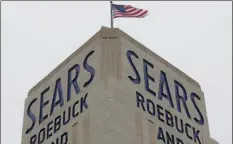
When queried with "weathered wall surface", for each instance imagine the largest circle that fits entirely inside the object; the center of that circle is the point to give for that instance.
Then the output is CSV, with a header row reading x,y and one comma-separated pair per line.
x,y
54,105
114,90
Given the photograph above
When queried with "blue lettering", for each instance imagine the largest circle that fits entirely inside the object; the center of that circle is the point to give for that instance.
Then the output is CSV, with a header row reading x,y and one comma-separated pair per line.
x,y
201,120
152,109
57,124
49,129
163,81
64,138
41,133
196,135
181,129
42,105
57,141
147,76
31,116
140,100
181,98
186,131
179,141
170,138
64,116
73,81
89,69
58,89
83,103
159,111
169,118
73,113
160,135
33,139
136,80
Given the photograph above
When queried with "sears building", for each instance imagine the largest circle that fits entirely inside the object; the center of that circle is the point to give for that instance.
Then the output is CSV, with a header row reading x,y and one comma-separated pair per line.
x,y
114,90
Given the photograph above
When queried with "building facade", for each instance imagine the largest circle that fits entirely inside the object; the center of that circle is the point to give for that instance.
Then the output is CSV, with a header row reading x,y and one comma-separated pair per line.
x,y
113,90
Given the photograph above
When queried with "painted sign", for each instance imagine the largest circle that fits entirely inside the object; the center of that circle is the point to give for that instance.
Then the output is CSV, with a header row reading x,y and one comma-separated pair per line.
x,y
54,106
175,106
167,100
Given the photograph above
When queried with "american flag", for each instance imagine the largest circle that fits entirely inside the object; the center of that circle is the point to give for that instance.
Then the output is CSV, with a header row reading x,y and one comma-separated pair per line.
x,y
128,11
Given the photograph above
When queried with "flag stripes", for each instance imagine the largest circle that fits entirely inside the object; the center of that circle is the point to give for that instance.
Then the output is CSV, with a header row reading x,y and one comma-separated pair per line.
x,y
128,11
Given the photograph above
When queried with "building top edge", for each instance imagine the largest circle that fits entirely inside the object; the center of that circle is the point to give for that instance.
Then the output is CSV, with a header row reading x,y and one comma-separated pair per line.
x,y
114,32
159,58
79,50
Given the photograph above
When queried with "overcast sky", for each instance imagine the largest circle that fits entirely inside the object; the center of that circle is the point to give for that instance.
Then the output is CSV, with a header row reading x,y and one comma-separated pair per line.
x,y
194,36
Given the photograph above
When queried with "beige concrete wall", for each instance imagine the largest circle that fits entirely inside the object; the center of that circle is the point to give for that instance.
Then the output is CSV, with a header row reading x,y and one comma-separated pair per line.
x,y
94,60
112,116
171,76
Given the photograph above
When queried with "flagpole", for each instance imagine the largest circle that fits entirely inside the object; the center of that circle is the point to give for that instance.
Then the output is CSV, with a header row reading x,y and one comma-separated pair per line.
x,y
111,14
